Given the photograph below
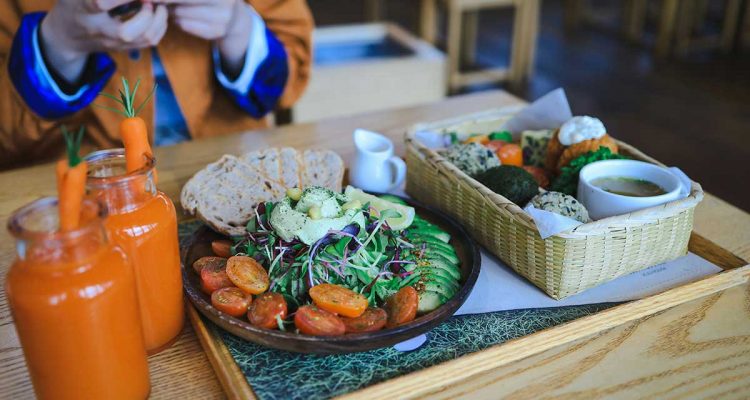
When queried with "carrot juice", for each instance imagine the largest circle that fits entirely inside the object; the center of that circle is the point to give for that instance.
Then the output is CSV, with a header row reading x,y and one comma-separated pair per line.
x,y
73,299
143,222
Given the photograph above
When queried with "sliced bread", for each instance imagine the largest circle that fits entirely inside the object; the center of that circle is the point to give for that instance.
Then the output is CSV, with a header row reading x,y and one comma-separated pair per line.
x,y
226,193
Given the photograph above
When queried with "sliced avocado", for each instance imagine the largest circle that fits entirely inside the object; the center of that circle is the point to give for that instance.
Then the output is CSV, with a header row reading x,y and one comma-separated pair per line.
x,y
451,269
438,284
433,231
393,199
443,273
429,301
431,252
430,240
411,279
449,256
422,223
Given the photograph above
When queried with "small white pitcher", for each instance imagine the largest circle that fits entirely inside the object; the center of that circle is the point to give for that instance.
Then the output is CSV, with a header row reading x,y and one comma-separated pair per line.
x,y
375,168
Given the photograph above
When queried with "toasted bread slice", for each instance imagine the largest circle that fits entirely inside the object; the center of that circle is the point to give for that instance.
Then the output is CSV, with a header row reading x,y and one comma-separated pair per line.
x,y
290,167
323,168
226,193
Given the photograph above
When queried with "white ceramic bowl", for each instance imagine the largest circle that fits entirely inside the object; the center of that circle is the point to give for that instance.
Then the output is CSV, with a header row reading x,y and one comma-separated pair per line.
x,y
602,204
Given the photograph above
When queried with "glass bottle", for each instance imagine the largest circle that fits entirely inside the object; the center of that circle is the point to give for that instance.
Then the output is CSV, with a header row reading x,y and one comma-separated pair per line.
x,y
73,299
143,222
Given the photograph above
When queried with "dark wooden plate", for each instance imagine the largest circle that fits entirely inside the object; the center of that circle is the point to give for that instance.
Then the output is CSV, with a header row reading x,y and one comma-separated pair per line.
x,y
468,253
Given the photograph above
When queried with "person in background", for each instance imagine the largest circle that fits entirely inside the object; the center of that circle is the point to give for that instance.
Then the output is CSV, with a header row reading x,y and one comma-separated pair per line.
x,y
221,66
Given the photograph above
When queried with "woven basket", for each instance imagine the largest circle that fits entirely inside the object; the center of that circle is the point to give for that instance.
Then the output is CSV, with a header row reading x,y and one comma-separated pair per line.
x,y
564,264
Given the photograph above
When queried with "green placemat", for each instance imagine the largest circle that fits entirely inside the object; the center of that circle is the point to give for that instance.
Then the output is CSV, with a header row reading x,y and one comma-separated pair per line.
x,y
275,374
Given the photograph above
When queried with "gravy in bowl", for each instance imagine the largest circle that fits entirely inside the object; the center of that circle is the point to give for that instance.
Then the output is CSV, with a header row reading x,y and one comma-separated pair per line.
x,y
626,186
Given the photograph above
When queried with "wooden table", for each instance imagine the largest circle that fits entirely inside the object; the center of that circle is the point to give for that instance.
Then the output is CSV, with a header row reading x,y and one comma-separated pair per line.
x,y
698,349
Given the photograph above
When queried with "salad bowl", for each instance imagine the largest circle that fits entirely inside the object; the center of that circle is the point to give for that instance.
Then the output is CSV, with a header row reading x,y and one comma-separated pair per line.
x,y
199,245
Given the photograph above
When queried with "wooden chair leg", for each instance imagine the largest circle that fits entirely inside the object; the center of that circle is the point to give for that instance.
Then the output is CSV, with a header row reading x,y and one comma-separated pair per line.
x,y
573,13
454,44
666,29
532,35
684,26
469,40
374,10
635,19
730,25
428,21
518,45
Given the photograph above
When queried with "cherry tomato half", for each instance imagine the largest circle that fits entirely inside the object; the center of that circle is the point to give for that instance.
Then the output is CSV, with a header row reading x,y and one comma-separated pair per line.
x,y
373,319
315,321
510,154
231,300
214,277
247,274
338,300
202,262
222,248
402,307
263,311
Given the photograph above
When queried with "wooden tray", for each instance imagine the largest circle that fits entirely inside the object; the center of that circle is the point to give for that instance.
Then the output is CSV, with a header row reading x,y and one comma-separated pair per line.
x,y
439,377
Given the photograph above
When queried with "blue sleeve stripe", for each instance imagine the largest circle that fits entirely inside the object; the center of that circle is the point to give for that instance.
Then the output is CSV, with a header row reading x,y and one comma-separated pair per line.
x,y
32,79
268,82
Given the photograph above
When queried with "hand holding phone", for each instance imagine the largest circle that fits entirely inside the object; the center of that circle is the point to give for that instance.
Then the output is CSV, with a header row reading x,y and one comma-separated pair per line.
x,y
73,29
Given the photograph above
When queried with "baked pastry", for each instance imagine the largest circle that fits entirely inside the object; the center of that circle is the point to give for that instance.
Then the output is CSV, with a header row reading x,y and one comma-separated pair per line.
x,y
575,137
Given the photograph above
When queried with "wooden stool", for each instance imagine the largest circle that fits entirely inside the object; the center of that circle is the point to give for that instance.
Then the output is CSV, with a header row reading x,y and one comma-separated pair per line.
x,y
523,41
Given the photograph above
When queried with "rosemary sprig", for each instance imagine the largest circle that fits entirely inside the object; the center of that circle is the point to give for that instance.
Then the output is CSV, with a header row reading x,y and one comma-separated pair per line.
x,y
127,99
73,145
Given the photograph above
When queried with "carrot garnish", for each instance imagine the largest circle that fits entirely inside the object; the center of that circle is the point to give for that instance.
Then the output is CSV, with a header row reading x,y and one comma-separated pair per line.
x,y
133,128
71,181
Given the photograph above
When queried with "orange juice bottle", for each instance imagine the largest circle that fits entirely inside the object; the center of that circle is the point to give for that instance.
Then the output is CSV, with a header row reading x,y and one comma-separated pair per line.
x,y
74,304
143,222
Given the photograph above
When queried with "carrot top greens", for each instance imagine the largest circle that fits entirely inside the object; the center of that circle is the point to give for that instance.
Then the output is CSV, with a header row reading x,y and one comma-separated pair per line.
x,y
73,145
127,99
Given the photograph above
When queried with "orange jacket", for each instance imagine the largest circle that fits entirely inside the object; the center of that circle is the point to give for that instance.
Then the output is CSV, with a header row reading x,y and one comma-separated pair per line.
x,y
208,110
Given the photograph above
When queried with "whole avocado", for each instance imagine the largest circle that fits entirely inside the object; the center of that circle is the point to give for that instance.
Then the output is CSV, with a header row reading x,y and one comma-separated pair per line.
x,y
511,182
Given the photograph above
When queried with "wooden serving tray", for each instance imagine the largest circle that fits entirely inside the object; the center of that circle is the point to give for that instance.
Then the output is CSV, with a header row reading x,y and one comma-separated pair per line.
x,y
442,376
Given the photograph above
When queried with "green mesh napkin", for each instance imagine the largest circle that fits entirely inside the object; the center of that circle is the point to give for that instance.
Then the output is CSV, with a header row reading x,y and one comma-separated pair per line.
x,y
276,374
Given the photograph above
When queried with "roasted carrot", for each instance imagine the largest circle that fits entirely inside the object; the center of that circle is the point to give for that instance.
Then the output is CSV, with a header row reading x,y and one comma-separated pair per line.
x,y
71,181
133,128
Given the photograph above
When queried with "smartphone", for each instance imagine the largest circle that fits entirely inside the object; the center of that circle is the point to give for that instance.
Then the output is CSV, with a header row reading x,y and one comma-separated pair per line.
x,y
127,10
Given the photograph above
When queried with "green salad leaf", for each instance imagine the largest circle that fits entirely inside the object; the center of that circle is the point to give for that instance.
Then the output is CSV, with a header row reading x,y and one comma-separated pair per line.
x,y
567,181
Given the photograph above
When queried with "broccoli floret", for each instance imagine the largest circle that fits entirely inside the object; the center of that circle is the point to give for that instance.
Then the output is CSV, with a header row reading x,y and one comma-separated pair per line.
x,y
567,181
511,182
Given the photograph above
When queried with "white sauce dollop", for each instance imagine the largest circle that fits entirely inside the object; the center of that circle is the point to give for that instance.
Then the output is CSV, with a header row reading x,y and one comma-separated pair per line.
x,y
578,129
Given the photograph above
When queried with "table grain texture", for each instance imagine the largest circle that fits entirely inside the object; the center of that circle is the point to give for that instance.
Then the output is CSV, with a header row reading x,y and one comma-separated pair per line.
x,y
700,349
